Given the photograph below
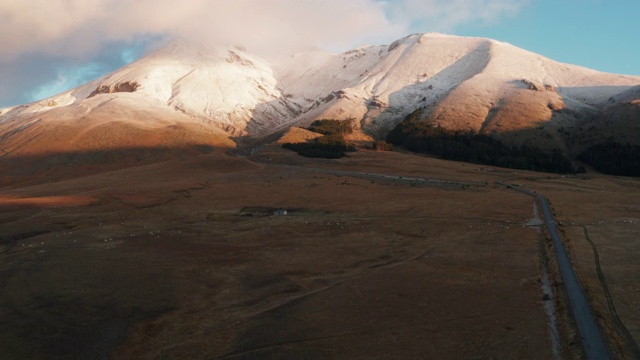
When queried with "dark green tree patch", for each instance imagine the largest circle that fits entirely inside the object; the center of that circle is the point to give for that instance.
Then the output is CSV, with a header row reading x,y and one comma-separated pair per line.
x,y
330,127
382,146
613,158
332,145
423,137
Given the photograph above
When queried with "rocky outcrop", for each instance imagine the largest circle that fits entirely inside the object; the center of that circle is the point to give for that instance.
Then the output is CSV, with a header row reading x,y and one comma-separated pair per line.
x,y
235,58
127,86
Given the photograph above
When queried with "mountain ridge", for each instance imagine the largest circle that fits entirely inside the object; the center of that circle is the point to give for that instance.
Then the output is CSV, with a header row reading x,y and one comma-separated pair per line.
x,y
462,83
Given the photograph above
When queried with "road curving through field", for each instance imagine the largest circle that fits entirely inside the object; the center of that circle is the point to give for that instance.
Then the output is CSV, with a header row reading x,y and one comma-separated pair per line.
x,y
592,340
591,336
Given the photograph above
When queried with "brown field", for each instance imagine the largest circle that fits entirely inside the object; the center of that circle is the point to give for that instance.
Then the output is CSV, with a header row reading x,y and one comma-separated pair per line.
x,y
600,216
185,259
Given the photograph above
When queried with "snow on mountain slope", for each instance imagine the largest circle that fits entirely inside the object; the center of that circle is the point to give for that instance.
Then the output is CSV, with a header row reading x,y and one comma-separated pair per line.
x,y
462,83
459,82
619,120
378,85
223,86
109,122
628,96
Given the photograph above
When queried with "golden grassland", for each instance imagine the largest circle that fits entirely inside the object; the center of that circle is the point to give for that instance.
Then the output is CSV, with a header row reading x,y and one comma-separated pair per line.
x,y
185,259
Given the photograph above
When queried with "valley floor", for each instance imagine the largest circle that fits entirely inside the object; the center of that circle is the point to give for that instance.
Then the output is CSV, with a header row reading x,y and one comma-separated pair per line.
x,y
196,259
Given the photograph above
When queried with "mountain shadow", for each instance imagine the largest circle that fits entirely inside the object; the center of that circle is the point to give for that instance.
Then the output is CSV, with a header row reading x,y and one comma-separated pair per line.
x,y
468,146
40,168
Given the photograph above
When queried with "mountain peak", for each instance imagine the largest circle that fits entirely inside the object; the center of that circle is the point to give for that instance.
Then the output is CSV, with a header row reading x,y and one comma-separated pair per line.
x,y
465,83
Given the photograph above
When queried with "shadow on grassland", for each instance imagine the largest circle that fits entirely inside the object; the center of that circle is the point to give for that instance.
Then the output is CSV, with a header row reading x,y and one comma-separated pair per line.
x,y
34,169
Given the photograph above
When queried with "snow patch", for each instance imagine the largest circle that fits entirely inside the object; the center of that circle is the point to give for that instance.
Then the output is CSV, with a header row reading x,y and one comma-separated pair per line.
x,y
458,81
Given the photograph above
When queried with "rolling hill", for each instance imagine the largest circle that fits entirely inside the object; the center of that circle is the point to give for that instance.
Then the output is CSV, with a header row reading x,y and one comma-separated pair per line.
x,y
183,95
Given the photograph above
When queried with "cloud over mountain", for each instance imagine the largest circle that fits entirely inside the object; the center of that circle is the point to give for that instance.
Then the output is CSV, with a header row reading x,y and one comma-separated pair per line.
x,y
56,35
80,28
458,83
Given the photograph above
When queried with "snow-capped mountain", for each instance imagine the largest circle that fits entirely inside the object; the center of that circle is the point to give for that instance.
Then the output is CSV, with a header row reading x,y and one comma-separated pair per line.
x,y
462,83
184,94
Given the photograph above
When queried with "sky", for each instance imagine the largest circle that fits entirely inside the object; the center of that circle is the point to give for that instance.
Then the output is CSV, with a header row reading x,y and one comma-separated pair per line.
x,y
49,46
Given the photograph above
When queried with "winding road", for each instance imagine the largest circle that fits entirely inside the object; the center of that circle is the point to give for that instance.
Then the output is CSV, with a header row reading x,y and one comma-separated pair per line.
x,y
592,339
593,342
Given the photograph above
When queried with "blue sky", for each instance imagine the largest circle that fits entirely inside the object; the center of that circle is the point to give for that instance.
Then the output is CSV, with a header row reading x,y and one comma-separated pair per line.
x,y
59,44
602,35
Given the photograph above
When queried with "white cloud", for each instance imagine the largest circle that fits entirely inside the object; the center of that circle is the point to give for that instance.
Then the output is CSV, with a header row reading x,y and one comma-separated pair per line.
x,y
78,31
446,15
77,28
